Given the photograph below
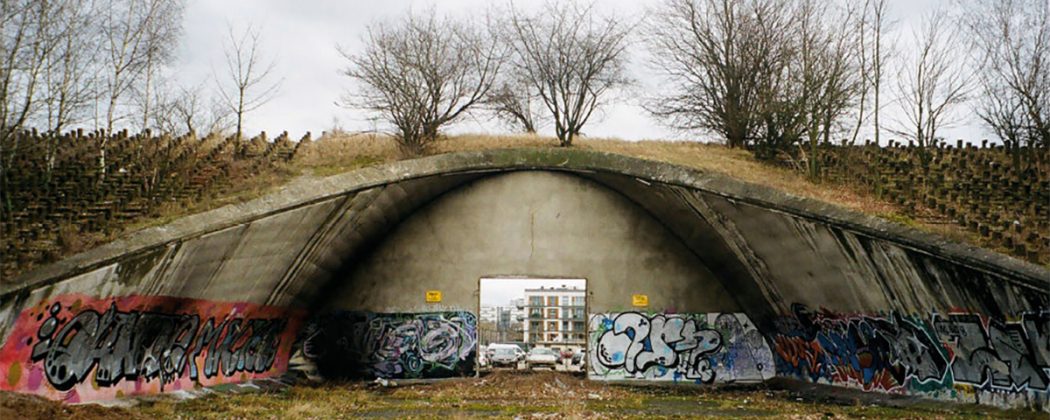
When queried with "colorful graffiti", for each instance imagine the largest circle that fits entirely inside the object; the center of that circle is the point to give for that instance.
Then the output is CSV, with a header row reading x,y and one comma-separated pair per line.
x,y
701,348
392,345
905,354
79,348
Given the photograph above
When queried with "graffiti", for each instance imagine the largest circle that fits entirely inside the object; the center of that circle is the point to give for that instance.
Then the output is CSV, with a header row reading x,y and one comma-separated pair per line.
x,y
993,355
872,353
411,345
87,348
701,348
899,354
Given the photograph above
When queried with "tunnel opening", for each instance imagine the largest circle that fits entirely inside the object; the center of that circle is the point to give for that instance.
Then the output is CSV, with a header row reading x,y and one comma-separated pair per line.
x,y
528,324
415,276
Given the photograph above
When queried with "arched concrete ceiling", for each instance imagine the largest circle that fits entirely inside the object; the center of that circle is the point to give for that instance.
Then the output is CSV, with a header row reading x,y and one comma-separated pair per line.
x,y
769,248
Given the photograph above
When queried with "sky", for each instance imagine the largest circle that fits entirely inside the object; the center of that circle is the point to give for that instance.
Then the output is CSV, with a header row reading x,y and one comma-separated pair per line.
x,y
302,37
500,292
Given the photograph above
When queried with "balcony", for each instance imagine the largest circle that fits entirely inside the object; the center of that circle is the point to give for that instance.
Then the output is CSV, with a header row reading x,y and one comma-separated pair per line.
x,y
541,306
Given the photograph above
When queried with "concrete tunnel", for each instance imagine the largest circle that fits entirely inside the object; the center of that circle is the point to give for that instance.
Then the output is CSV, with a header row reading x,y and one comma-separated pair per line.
x,y
330,276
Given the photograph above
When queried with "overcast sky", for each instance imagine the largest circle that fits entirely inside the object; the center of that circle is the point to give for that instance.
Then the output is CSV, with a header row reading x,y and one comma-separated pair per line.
x,y
302,35
500,292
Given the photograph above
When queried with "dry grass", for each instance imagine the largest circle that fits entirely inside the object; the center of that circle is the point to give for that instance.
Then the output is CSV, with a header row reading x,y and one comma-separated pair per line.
x,y
331,155
548,396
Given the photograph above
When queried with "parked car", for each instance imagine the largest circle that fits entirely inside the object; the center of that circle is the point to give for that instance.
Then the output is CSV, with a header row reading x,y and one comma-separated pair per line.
x,y
503,355
577,358
541,356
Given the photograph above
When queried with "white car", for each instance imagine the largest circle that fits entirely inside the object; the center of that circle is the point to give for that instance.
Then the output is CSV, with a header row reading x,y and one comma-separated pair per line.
x,y
541,356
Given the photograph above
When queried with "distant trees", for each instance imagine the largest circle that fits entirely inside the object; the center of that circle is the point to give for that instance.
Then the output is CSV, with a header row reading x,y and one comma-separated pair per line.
x,y
137,35
828,71
715,55
932,83
68,88
30,32
245,85
877,52
422,73
62,59
764,74
778,77
571,58
515,102
189,110
1011,41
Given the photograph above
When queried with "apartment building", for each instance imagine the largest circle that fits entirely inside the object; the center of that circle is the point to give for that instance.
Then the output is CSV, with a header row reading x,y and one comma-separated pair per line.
x,y
556,317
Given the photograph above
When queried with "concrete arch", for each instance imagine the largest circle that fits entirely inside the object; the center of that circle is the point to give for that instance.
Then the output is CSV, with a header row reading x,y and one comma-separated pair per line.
x,y
781,257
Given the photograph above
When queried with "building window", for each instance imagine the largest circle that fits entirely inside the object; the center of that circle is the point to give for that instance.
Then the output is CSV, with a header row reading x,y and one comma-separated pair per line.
x,y
552,301
577,300
536,301
552,313
552,326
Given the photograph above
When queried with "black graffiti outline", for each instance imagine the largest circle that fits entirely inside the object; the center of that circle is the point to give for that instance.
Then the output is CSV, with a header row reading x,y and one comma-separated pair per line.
x,y
696,364
118,346
1012,356
1005,356
351,344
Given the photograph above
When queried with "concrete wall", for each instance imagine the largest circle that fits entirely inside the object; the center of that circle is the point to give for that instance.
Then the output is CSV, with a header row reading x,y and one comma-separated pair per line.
x,y
538,224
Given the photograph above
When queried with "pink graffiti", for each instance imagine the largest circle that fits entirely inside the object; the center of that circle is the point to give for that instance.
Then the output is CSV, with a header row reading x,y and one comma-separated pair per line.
x,y
78,348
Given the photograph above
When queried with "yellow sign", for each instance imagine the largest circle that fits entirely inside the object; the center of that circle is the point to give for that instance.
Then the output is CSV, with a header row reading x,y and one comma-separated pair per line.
x,y
640,300
433,296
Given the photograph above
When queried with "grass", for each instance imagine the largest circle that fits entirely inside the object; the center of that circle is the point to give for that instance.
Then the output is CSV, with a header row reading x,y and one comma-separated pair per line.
x,y
337,154
508,395
542,396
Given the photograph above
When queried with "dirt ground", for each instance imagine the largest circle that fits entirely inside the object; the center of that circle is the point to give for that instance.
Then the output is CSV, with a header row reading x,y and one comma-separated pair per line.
x,y
542,395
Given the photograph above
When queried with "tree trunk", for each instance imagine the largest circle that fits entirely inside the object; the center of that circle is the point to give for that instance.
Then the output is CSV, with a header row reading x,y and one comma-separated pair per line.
x,y
240,112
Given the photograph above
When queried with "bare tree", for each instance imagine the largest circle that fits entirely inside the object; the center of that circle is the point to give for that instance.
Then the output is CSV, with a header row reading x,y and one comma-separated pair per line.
x,y
881,53
515,102
720,57
161,38
873,51
422,73
67,85
932,84
826,70
68,88
28,30
1012,41
133,33
248,74
572,58
28,41
189,110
